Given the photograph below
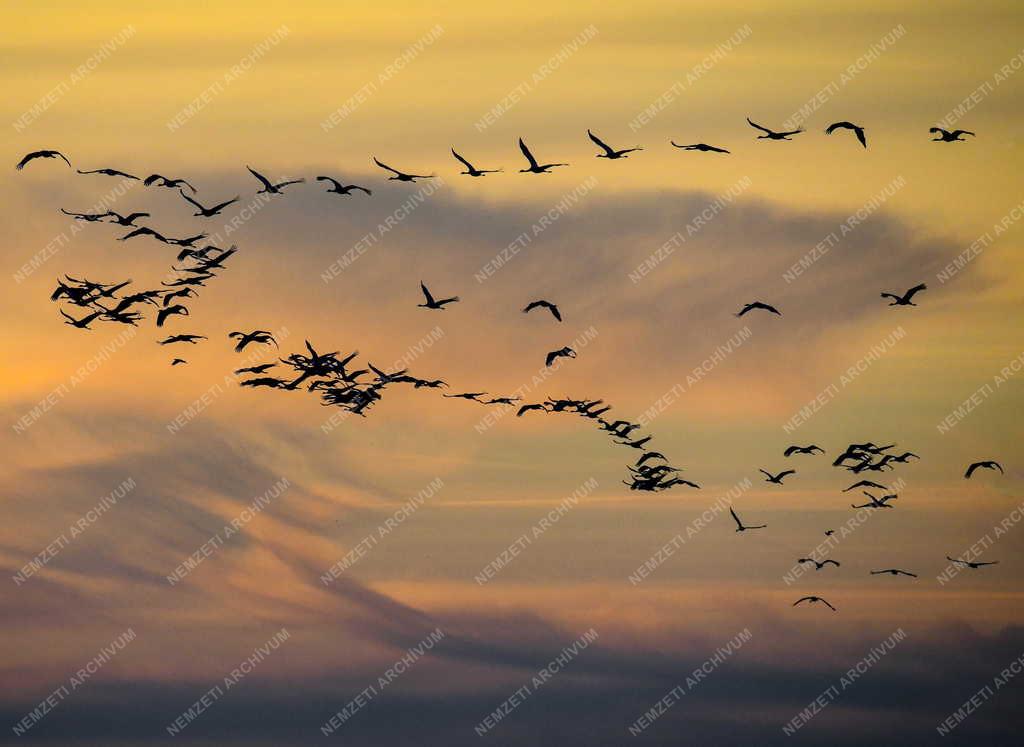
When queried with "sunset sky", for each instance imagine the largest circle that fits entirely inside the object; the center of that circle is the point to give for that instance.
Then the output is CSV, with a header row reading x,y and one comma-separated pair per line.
x,y
125,467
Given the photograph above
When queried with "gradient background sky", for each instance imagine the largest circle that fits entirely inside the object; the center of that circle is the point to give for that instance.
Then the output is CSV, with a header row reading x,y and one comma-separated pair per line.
x,y
112,426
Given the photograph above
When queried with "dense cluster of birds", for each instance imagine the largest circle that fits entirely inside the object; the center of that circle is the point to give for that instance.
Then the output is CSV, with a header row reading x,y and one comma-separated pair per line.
x,y
340,383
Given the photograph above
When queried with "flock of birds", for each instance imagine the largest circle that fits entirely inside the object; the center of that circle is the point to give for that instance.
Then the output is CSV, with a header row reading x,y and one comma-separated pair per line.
x,y
339,383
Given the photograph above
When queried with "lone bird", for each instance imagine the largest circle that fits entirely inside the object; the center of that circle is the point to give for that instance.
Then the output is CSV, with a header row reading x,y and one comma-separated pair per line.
x,y
566,352
777,479
609,152
178,361
431,303
194,339
812,449
758,305
865,484
986,465
401,176
858,130
342,189
257,335
772,134
740,526
109,172
535,168
700,146
162,181
268,187
894,572
971,564
818,566
172,310
945,136
543,305
472,170
904,300
814,600
41,154
207,212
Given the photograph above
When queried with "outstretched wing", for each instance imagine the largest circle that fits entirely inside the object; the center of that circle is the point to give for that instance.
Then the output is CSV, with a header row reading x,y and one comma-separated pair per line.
x,y
528,154
600,143
258,175
385,166
463,161
759,127
426,293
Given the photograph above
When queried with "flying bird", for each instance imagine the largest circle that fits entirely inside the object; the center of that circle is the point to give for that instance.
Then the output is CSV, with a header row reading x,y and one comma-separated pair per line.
x,y
41,154
152,179
894,572
609,152
471,170
82,323
431,303
758,305
812,449
566,352
474,396
126,220
342,189
527,408
777,479
945,136
984,465
109,172
544,305
173,310
865,484
145,231
740,526
858,130
818,566
814,600
178,361
700,146
969,564
535,168
772,134
262,368
257,335
401,176
181,338
269,188
89,217
207,212
904,300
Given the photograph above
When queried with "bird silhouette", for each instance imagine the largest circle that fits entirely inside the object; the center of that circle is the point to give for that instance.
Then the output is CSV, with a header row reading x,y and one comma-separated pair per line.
x,y
758,305
401,176
700,146
125,220
894,572
983,465
777,479
207,212
172,310
41,154
342,189
858,130
257,335
430,303
945,136
818,566
178,361
544,305
145,231
609,152
474,396
812,449
262,368
82,323
471,170
814,600
194,339
864,484
904,300
566,352
876,502
109,172
88,217
772,134
529,408
970,564
535,168
268,187
162,181
740,526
